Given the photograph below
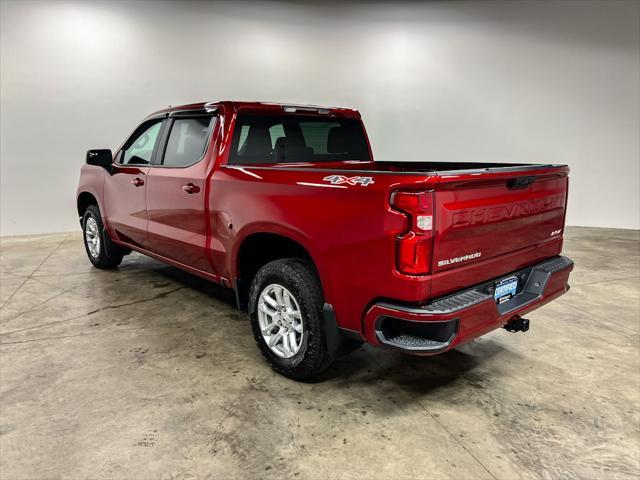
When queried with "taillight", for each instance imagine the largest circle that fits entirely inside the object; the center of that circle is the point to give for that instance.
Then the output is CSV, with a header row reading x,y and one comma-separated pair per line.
x,y
415,244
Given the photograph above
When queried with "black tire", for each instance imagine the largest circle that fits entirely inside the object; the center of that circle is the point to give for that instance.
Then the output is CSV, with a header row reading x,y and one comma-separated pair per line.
x,y
109,255
299,277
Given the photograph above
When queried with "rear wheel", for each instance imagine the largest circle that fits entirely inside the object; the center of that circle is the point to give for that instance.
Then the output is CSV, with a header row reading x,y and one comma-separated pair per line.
x,y
101,251
285,307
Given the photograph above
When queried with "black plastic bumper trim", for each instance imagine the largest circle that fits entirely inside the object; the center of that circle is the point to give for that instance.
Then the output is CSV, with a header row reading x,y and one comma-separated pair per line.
x,y
535,278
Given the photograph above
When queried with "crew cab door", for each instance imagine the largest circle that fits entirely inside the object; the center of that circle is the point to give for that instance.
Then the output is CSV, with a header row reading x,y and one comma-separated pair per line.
x,y
176,191
125,202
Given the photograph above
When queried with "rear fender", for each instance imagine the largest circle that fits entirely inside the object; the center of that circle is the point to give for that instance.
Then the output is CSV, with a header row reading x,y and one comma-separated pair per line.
x,y
276,229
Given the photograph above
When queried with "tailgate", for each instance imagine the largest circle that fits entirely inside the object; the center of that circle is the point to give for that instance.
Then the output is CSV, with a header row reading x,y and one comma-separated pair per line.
x,y
494,215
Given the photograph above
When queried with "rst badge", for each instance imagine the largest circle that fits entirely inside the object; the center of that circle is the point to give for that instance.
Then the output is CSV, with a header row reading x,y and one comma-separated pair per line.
x,y
341,180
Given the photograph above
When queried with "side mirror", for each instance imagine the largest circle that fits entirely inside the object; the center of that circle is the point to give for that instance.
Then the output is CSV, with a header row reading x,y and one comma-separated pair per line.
x,y
100,158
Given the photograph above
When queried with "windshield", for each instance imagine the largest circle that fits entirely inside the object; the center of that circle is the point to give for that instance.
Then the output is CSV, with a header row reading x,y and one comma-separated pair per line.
x,y
294,138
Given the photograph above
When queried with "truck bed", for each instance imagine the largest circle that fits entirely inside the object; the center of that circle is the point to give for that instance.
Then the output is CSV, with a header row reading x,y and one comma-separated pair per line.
x,y
458,167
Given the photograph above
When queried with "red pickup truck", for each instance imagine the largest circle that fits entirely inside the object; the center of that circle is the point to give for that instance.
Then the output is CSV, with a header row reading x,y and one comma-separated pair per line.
x,y
324,247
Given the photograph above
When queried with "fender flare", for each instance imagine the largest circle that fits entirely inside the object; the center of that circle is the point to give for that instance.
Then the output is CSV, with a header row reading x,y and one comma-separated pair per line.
x,y
295,235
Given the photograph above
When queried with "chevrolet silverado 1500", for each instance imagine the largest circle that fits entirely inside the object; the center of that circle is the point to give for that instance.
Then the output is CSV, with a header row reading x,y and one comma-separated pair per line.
x,y
324,247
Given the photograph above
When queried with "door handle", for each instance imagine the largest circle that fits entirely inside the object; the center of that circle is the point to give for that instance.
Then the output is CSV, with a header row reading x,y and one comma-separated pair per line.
x,y
138,182
190,188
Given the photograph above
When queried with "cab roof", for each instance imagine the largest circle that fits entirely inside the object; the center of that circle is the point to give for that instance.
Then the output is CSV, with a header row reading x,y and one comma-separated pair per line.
x,y
235,106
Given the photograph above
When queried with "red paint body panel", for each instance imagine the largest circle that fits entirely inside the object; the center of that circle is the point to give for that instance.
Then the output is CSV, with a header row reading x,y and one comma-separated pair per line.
x,y
176,226
350,231
124,204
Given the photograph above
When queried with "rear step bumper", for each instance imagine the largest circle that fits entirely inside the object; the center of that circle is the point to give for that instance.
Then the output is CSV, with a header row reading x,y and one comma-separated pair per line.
x,y
458,318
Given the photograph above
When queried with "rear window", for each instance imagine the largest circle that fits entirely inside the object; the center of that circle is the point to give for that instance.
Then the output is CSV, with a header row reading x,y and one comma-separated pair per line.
x,y
294,138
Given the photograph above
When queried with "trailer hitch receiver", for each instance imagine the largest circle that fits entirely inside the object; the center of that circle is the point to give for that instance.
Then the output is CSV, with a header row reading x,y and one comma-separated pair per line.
x,y
517,324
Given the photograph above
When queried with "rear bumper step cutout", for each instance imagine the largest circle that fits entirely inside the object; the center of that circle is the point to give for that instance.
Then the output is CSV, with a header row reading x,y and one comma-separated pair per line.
x,y
406,335
457,318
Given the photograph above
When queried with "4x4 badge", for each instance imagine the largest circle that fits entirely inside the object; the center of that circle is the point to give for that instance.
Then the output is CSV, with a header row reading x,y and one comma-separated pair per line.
x,y
341,179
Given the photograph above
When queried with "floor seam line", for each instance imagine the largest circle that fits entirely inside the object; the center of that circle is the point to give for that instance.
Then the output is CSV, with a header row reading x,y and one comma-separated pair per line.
x,y
445,429
6,302
457,441
74,336
121,271
108,307
29,310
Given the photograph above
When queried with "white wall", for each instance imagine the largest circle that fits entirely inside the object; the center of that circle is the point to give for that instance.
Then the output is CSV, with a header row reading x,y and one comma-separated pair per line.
x,y
479,81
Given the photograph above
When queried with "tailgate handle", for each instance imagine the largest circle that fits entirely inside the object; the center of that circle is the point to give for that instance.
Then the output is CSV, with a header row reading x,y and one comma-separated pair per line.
x,y
520,182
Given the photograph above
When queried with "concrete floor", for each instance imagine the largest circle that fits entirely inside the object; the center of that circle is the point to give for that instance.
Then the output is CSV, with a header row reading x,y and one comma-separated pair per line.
x,y
147,372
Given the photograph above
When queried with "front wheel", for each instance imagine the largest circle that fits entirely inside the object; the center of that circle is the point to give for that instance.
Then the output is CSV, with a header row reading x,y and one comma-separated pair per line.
x,y
285,307
101,252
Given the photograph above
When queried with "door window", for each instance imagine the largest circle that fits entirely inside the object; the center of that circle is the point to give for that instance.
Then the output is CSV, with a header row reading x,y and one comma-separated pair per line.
x,y
140,149
187,141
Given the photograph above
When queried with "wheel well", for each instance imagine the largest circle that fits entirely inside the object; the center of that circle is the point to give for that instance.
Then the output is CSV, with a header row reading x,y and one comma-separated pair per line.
x,y
256,251
84,200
